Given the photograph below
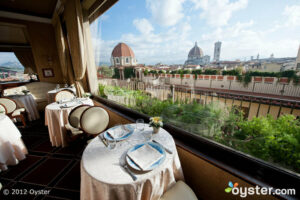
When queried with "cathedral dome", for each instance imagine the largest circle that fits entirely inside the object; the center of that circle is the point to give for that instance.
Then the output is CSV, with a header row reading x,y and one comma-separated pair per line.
x,y
195,52
122,50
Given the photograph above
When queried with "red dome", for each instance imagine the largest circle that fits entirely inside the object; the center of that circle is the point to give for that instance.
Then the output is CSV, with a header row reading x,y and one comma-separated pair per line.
x,y
122,49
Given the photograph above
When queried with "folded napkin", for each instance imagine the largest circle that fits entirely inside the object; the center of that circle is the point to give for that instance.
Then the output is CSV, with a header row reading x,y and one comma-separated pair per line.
x,y
64,100
145,156
117,132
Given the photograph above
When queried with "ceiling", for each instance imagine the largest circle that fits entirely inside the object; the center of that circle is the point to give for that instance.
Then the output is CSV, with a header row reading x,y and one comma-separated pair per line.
x,y
39,8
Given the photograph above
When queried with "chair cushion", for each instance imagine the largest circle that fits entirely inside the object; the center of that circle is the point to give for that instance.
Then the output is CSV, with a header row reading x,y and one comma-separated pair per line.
x,y
94,120
2,109
64,95
74,118
9,104
178,192
18,112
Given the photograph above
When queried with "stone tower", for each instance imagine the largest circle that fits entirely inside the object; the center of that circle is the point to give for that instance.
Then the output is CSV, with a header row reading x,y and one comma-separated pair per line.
x,y
217,51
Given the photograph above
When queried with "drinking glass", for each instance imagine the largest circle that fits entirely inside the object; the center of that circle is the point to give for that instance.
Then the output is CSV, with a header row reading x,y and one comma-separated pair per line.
x,y
57,87
147,135
66,86
140,124
112,144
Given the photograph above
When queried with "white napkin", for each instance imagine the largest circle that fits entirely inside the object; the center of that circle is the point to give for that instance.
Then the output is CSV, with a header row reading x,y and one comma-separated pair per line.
x,y
69,104
117,132
145,156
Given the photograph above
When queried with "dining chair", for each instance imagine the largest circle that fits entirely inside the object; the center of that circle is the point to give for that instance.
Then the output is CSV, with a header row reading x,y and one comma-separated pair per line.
x,y
94,120
178,192
12,109
64,95
3,109
73,125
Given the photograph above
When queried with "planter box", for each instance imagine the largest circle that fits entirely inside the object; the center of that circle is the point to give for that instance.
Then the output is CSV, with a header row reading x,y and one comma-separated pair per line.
x,y
200,76
257,79
177,75
269,80
220,78
193,76
284,80
230,78
213,77
169,75
187,75
206,77
162,75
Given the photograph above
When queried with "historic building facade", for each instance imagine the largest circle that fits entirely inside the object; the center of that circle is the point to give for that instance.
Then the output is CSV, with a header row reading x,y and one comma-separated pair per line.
x,y
122,56
196,57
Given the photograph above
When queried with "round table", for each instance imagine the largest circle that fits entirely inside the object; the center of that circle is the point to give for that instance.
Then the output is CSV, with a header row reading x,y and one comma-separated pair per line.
x,y
103,178
27,101
51,94
56,118
12,148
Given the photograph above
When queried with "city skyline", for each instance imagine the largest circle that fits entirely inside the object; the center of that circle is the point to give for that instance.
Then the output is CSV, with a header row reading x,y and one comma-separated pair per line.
x,y
165,31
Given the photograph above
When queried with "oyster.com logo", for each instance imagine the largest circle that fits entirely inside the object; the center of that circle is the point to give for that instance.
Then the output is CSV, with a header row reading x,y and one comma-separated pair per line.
x,y
231,185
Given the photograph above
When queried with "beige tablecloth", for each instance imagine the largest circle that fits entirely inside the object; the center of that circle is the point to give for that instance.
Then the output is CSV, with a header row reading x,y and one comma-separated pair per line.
x,y
102,177
28,102
56,118
12,148
51,94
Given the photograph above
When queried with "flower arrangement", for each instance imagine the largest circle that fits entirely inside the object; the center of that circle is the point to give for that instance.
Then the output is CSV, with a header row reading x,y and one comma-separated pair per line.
x,y
86,95
156,122
25,91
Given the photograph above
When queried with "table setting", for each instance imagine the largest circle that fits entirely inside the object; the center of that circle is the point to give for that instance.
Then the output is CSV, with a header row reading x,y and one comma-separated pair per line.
x,y
56,117
26,100
130,161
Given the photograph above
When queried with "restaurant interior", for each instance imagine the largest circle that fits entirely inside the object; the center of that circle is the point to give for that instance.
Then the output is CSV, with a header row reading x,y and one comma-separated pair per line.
x,y
60,140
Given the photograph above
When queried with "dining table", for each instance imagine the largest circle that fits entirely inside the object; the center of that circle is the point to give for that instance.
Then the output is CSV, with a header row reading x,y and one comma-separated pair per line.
x,y
27,101
51,94
56,117
12,147
105,177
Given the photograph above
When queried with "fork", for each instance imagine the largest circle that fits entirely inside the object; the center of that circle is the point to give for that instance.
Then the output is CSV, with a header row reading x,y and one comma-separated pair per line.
x,y
124,166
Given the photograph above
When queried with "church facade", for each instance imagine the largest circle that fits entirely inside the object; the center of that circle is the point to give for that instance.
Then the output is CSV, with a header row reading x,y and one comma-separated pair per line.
x,y
196,57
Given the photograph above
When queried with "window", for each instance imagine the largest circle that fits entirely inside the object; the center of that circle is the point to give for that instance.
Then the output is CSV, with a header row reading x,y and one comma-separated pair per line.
x,y
117,61
11,69
242,106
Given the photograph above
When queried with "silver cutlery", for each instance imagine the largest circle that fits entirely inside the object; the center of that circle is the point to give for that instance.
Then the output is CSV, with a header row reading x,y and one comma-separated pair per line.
x,y
134,163
124,166
103,140
167,150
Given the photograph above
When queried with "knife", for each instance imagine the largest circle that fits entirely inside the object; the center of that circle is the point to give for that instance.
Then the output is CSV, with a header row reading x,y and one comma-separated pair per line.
x,y
167,150
134,163
103,140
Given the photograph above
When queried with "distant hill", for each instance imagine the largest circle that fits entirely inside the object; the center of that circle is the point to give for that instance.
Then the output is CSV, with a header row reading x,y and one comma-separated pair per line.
x,y
12,65
103,64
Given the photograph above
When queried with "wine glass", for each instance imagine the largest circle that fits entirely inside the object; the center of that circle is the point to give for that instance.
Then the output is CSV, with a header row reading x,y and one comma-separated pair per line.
x,y
140,124
112,143
57,87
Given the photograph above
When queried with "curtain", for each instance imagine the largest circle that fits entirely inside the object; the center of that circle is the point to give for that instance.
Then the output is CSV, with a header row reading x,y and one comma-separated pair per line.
x,y
63,51
76,40
25,57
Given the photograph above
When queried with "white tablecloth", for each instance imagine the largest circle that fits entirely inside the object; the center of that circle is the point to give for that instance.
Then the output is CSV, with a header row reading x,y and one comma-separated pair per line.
x,y
28,102
102,177
12,148
51,93
56,118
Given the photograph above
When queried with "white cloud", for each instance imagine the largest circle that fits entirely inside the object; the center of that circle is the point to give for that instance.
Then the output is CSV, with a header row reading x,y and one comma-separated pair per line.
x,y
293,15
143,25
218,12
166,12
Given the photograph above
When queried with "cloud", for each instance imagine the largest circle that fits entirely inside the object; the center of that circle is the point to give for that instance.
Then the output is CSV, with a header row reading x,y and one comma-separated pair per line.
x,y
166,12
293,15
143,25
218,12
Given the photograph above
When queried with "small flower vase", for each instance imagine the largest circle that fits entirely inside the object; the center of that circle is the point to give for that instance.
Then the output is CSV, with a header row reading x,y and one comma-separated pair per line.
x,y
155,130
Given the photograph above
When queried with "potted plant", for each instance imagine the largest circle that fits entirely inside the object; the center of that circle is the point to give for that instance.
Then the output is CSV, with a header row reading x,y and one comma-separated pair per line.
x,y
156,123
86,95
25,91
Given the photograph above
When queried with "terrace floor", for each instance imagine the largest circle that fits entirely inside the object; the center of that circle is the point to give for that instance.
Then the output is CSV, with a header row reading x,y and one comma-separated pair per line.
x,y
45,167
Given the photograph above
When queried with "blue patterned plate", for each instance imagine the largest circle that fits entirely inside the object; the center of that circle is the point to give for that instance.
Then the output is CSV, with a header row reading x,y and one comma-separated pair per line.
x,y
156,146
129,127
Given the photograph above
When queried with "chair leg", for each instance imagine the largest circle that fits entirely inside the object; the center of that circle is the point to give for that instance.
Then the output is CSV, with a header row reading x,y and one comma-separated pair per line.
x,y
23,120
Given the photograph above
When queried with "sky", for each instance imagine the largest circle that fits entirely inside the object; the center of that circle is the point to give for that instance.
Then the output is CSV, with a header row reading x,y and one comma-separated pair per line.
x,y
165,30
